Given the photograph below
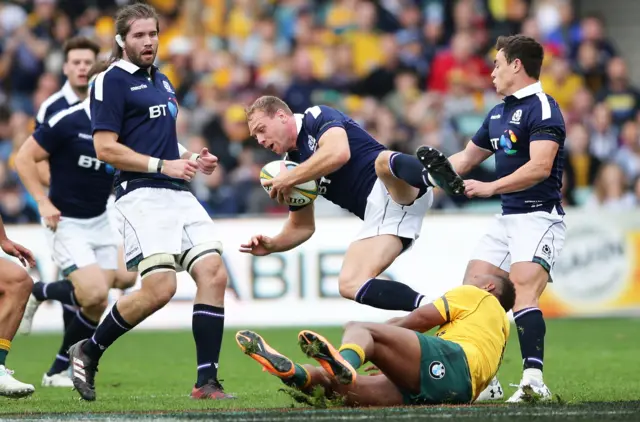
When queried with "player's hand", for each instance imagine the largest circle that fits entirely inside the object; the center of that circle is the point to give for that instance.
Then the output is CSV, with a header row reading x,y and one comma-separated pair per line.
x,y
23,254
280,186
49,213
207,162
476,189
180,169
258,246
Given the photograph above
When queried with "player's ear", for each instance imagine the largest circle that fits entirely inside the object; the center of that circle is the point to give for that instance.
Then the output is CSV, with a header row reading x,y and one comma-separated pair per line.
x,y
490,287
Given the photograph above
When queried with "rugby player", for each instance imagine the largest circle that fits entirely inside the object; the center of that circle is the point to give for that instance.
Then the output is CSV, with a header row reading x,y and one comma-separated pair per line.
x,y
133,118
83,242
79,55
526,132
389,191
15,288
451,367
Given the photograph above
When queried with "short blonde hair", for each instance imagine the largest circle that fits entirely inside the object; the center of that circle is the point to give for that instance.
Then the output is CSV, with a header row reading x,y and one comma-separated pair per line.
x,y
269,105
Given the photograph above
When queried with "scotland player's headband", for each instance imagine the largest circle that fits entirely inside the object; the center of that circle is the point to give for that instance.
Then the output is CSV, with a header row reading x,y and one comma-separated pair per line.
x,y
119,40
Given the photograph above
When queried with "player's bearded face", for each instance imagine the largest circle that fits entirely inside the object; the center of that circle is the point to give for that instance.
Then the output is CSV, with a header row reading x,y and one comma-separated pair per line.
x,y
141,42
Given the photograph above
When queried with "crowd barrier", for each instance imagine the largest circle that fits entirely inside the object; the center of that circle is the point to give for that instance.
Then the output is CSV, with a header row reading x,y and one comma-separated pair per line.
x,y
596,275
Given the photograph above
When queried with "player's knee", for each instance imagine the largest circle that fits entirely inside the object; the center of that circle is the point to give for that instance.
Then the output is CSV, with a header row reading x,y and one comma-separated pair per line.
x,y
348,286
94,296
198,253
382,164
158,274
353,325
125,280
19,282
16,280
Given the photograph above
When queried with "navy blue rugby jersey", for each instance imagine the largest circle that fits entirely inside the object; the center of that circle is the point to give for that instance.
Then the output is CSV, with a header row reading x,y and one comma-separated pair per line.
x,y
141,107
80,183
58,101
350,185
527,116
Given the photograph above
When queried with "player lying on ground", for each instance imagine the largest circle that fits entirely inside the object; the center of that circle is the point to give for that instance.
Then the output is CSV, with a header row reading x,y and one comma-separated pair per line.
x,y
526,132
453,366
15,288
83,242
389,191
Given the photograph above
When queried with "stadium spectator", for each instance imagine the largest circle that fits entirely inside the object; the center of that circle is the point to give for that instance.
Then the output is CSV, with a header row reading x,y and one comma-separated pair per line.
x,y
409,71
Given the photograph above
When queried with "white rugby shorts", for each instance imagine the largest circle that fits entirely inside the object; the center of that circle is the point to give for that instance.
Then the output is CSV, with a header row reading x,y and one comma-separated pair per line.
x,y
79,242
383,215
117,222
533,237
160,220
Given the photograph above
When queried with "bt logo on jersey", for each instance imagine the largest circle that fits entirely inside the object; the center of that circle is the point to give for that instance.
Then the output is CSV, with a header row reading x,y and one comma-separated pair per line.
x,y
157,111
161,109
89,162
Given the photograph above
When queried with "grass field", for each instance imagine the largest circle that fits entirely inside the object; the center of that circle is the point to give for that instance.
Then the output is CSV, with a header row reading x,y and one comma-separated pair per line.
x,y
591,365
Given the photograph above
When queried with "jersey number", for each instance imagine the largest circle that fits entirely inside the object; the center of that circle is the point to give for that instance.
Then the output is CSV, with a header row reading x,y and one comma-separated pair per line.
x,y
88,162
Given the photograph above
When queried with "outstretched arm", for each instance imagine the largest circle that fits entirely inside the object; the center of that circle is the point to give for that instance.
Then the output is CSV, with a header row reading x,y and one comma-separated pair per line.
x,y
298,228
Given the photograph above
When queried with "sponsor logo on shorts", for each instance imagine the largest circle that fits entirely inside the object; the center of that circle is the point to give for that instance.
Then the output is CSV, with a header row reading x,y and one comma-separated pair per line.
x,y
436,370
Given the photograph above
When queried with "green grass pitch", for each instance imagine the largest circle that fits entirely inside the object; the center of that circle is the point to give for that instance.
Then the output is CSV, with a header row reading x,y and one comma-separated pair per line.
x,y
591,365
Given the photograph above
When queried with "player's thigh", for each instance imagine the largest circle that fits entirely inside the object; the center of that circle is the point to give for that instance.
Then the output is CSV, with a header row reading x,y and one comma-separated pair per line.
x,y
491,255
383,215
400,191
367,258
534,253
14,278
153,224
397,353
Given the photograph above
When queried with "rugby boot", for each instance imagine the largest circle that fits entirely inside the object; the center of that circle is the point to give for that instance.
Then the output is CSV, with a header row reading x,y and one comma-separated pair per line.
x,y
440,170
211,390
492,392
254,346
83,371
317,347
11,387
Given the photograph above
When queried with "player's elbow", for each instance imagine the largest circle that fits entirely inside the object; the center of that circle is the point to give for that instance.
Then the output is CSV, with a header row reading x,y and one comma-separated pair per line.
x,y
543,170
104,151
341,156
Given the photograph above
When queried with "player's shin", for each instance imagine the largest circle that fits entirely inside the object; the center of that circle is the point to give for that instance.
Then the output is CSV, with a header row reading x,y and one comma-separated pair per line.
x,y
408,168
208,326
207,269
356,340
389,295
61,290
531,332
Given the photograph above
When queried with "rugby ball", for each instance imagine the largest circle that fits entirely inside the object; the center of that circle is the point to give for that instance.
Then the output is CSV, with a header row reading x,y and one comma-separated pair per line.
x,y
302,194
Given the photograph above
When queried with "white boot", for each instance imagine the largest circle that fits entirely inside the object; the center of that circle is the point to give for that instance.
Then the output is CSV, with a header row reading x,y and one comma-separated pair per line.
x,y
492,392
11,387
531,388
29,313
61,379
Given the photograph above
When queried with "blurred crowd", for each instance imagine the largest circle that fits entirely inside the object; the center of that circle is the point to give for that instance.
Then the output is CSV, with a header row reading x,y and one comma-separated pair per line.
x,y
412,72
